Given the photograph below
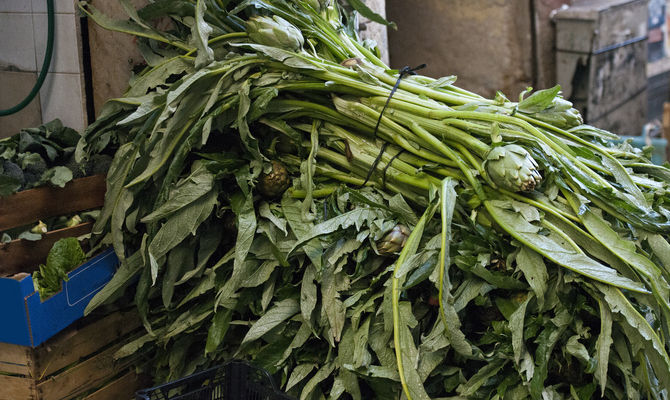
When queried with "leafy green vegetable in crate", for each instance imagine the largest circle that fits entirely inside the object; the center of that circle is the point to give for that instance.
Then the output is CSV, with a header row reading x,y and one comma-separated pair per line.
x,y
540,273
44,155
35,231
64,256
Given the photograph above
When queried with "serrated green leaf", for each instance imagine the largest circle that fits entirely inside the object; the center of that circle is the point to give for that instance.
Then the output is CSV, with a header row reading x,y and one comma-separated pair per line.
x,y
300,372
124,275
243,207
217,331
554,247
641,330
129,27
603,345
261,274
183,223
179,259
315,380
281,311
450,320
535,272
186,191
200,32
516,325
479,379
356,217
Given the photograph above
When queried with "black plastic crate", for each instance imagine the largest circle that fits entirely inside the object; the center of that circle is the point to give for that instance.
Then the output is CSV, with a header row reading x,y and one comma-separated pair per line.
x,y
234,380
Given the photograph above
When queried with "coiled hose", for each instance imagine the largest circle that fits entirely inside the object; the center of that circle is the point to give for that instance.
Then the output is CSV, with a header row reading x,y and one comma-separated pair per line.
x,y
45,64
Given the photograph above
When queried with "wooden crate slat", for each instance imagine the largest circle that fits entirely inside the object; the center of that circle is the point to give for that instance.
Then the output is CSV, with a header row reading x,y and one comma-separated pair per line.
x,y
71,347
83,377
25,256
15,388
123,388
15,359
31,205
78,360
17,369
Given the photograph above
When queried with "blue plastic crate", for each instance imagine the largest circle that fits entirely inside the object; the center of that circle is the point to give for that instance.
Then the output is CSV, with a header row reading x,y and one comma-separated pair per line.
x,y
28,321
659,145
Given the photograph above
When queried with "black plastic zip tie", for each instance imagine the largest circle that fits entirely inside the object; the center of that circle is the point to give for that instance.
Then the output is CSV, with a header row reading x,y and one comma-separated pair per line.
x,y
406,70
389,164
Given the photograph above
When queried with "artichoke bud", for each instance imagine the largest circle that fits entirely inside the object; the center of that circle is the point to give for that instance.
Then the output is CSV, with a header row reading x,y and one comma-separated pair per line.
x,y
572,118
276,32
511,167
74,221
393,241
274,183
41,227
560,114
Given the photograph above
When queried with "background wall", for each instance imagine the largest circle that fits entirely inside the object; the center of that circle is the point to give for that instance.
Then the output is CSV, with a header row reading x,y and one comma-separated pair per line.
x,y
504,45
485,43
489,44
374,31
23,29
113,54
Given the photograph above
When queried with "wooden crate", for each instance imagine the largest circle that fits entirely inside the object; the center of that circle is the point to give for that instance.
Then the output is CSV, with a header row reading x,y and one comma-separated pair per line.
x,y
77,363
32,205
601,60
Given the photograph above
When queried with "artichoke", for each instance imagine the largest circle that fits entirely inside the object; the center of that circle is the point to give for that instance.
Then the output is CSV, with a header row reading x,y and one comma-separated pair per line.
x,y
511,167
275,182
561,114
276,32
393,241
41,227
74,221
549,106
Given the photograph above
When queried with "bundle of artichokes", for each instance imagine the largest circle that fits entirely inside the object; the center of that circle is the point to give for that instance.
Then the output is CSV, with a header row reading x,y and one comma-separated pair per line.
x,y
429,244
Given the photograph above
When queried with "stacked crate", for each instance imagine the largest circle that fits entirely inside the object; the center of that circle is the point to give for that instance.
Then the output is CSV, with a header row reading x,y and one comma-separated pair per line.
x,y
77,363
47,350
601,57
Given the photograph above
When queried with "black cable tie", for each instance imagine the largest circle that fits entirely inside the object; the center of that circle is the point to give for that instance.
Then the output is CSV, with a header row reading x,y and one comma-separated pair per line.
x,y
404,71
388,165
374,164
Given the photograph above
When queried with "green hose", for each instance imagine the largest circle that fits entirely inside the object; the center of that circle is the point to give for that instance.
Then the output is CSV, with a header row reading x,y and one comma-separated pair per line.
x,y
45,64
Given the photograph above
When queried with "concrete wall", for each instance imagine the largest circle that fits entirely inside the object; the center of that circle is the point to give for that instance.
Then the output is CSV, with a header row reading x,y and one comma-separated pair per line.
x,y
486,43
544,31
489,44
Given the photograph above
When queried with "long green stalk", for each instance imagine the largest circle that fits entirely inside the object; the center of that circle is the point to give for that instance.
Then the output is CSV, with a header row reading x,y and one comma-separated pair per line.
x,y
444,149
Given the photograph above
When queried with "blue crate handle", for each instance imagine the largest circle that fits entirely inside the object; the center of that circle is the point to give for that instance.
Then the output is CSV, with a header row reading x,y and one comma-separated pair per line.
x,y
91,274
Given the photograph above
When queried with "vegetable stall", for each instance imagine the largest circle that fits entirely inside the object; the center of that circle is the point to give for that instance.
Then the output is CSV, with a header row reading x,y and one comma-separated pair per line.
x,y
280,195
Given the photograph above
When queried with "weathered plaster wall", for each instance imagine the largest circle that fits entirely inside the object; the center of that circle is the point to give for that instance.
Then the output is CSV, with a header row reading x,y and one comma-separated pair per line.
x,y
486,43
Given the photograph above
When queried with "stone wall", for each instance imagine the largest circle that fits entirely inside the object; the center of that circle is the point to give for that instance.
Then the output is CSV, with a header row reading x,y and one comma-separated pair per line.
x,y
489,44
